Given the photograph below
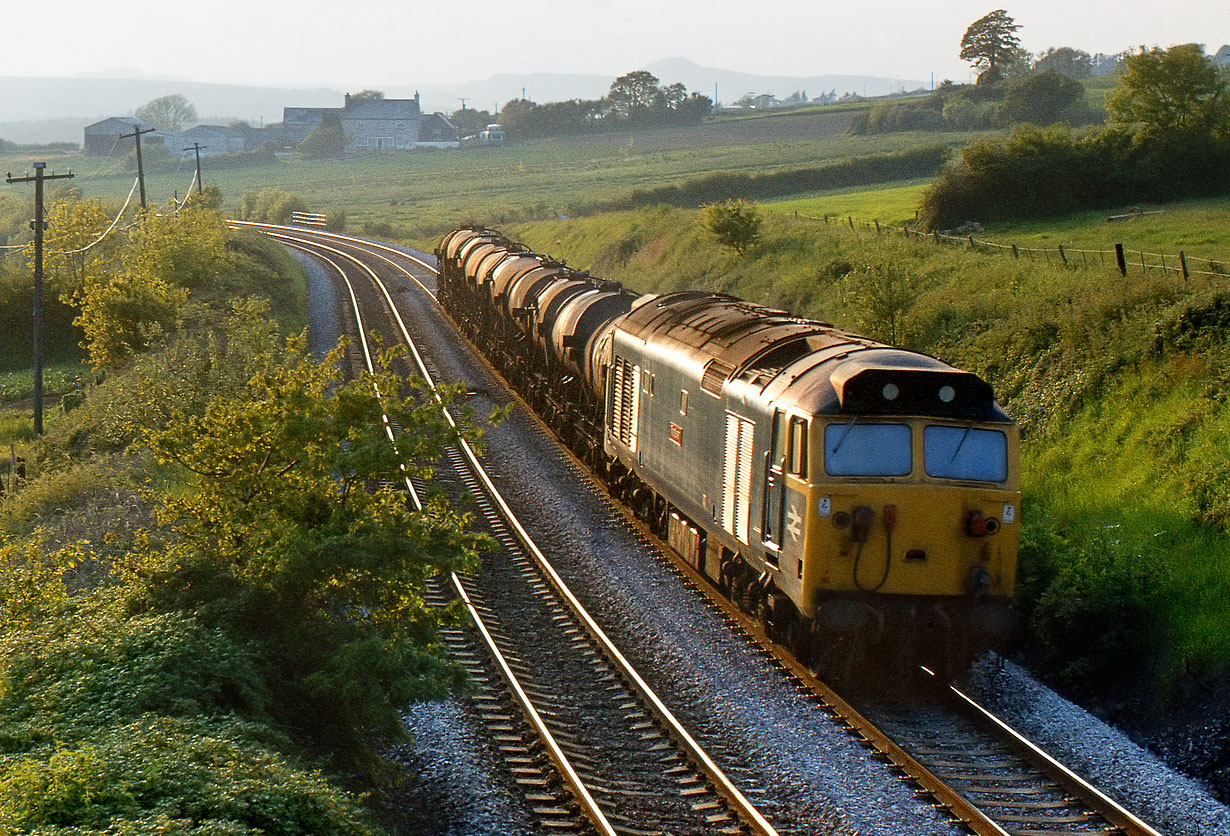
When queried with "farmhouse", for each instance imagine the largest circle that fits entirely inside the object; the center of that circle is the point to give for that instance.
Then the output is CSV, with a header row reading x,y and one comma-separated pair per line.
x,y
103,137
374,124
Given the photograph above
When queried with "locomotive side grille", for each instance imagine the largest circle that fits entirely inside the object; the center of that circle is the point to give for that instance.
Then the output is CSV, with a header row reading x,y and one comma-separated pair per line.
x,y
715,375
624,411
737,476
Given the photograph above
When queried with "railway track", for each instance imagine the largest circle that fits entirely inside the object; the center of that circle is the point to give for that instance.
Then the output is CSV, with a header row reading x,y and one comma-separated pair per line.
x,y
953,753
621,762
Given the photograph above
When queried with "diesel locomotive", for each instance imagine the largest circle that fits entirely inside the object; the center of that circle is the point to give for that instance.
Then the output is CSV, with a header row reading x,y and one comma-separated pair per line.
x,y
862,500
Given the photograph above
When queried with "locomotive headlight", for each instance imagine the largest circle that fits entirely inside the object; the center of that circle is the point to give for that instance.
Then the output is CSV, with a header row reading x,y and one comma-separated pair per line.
x,y
890,391
978,580
947,394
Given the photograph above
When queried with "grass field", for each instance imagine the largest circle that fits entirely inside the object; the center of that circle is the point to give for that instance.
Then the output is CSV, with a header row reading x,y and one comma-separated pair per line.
x,y
423,193
1197,227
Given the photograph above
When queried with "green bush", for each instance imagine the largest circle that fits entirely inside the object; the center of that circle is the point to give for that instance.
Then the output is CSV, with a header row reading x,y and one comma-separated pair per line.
x,y
271,205
163,775
734,223
91,665
1038,172
1100,619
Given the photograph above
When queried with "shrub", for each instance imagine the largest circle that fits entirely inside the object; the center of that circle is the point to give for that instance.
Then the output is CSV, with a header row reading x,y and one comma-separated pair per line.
x,y
734,223
161,775
1100,619
88,665
275,206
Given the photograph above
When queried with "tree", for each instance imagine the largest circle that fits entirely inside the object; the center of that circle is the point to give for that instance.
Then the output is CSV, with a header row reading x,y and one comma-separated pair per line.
x,y
1042,98
635,92
990,44
735,223
125,310
77,253
326,140
368,94
292,536
881,296
470,121
1171,91
1065,60
168,113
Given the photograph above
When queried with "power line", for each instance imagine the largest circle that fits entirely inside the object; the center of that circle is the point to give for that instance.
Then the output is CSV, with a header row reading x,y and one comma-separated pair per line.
x,y
109,229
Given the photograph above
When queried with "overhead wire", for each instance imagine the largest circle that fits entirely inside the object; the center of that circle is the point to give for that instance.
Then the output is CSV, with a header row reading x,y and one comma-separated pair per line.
x,y
107,158
109,230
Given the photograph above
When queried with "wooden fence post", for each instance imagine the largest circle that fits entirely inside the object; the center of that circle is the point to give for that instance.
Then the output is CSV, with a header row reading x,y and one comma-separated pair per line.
x,y
1183,264
1062,255
877,226
1015,254
851,220
971,242
1122,261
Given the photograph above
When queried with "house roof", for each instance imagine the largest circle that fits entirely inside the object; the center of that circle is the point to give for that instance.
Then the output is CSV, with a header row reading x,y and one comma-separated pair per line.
x,y
117,125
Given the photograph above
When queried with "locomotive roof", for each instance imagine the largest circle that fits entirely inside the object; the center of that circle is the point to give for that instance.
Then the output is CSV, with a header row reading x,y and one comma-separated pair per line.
x,y
811,364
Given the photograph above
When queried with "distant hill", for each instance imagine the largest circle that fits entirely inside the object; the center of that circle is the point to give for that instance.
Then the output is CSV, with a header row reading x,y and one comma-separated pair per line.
x,y
493,92
56,109
732,84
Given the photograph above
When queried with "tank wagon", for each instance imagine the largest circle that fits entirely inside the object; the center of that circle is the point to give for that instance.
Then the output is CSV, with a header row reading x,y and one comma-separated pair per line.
x,y
862,500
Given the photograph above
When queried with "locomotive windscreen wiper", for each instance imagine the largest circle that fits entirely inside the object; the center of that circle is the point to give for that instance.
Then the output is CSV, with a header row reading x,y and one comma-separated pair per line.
x,y
844,433
968,427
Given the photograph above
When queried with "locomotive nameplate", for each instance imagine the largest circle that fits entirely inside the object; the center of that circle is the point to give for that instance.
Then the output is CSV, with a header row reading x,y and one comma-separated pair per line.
x,y
676,434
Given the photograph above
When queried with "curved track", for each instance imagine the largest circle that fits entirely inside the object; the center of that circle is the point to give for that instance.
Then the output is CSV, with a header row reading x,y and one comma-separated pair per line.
x,y
989,778
563,672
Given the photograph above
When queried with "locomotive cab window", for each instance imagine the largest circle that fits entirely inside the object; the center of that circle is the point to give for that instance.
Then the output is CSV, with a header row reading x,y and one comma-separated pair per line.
x,y
683,401
967,453
797,455
777,457
855,449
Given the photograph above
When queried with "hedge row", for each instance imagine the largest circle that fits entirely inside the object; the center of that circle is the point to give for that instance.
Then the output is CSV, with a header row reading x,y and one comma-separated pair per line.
x,y
1038,172
721,185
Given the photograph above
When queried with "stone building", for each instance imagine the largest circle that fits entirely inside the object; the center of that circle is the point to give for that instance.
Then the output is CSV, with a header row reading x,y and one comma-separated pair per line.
x,y
373,124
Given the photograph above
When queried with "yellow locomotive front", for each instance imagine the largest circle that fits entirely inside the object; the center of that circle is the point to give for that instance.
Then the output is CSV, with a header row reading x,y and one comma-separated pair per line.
x,y
900,496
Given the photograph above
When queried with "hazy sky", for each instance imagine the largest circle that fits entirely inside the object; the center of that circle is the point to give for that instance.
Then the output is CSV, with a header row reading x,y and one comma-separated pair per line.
x,y
376,43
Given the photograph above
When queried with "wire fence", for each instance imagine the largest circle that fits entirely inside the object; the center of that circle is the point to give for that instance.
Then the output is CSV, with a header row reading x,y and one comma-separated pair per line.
x,y
1177,264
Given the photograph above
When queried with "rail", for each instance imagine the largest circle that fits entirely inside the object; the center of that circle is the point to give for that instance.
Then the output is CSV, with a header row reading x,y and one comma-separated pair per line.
x,y
723,785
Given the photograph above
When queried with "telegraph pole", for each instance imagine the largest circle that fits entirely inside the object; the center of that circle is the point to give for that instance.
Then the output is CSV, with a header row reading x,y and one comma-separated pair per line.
x,y
200,185
39,226
136,134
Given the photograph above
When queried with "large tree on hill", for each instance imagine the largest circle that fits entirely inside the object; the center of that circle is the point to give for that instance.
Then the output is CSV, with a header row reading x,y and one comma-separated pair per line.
x,y
635,92
1169,91
991,45
168,113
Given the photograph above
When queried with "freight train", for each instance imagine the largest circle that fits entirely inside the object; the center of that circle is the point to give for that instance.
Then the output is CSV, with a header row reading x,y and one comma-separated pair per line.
x,y
861,500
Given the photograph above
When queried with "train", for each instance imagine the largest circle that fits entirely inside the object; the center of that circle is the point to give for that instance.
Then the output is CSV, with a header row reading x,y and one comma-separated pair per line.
x,y
861,501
